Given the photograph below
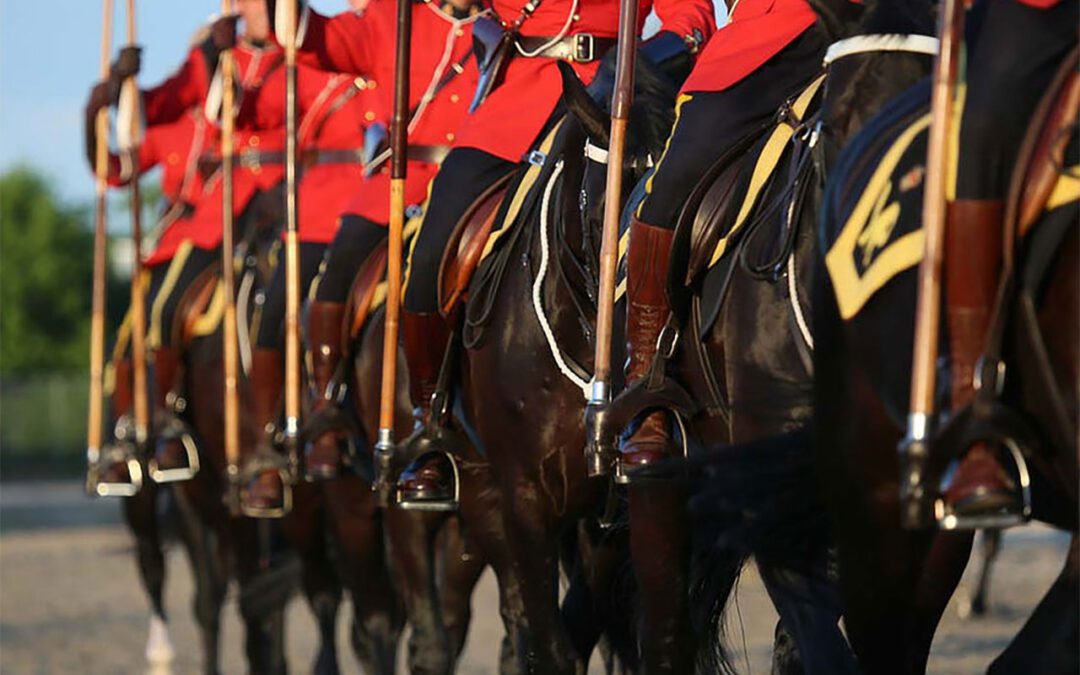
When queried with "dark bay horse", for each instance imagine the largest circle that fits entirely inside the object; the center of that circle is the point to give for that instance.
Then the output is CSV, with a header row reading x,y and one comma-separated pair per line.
x,y
396,565
745,352
529,332
218,547
897,582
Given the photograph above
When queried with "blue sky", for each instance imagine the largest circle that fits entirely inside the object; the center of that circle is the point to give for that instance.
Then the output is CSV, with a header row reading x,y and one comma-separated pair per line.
x,y
49,59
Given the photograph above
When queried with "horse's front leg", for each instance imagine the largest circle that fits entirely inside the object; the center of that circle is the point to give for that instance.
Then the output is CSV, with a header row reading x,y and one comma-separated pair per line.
x,y
659,551
305,529
140,513
268,575
411,537
533,542
461,567
378,614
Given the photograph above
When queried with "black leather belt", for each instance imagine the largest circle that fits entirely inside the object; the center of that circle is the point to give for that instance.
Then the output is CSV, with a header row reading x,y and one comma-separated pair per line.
x,y
579,48
340,156
245,159
433,154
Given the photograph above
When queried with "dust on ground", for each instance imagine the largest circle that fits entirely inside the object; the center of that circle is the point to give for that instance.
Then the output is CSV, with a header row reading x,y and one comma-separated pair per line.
x,y
70,600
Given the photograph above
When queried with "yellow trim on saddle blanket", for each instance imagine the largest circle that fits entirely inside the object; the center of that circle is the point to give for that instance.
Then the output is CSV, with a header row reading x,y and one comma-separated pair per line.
x,y
526,185
408,235
867,234
1066,190
210,319
766,164
168,285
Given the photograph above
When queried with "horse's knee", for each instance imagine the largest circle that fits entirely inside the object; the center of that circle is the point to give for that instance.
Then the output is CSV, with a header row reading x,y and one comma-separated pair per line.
x,y
375,640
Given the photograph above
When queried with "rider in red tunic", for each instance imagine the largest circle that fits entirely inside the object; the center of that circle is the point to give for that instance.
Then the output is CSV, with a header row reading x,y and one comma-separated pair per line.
x,y
175,148
493,140
1014,49
332,112
181,138
767,52
443,80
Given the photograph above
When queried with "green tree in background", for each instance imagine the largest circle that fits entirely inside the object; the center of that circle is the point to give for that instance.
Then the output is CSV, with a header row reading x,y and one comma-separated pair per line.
x,y
46,268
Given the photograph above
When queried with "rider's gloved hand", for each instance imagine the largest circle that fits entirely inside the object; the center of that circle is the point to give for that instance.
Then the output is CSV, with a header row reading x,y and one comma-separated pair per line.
x,y
223,32
128,63
671,53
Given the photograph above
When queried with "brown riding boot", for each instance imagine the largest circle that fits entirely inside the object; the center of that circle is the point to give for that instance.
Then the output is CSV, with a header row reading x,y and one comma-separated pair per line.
x,y
113,465
322,454
169,451
646,313
973,240
263,489
428,482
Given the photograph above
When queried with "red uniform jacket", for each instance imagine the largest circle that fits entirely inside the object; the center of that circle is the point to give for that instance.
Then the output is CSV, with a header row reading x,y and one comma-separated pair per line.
x,y
363,44
331,108
756,31
190,86
508,122
177,148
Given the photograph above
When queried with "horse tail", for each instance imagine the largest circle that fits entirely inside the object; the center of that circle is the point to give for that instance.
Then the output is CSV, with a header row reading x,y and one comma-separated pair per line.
x,y
759,500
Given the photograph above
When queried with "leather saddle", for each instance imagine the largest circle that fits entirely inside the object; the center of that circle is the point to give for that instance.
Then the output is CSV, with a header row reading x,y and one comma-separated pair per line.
x,y
362,294
195,312
1043,181
467,243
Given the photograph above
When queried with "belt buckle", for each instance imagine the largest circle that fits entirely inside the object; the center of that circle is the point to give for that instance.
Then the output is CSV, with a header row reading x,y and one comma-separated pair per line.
x,y
584,48
249,160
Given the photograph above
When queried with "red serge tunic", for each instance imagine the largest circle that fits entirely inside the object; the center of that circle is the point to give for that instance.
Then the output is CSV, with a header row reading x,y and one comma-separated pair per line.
x,y
190,86
363,44
331,108
757,31
176,147
507,123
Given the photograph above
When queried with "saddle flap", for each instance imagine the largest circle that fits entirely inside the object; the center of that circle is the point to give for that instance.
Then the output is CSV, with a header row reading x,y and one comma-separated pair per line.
x,y
372,272
713,217
466,245
195,312
1041,174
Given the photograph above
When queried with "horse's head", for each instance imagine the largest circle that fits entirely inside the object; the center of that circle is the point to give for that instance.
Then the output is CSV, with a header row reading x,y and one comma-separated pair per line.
x,y
878,49
651,117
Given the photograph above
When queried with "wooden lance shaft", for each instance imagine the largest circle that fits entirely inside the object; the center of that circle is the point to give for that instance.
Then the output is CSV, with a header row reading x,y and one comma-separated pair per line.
x,y
399,140
228,271
928,306
97,315
621,101
292,243
138,291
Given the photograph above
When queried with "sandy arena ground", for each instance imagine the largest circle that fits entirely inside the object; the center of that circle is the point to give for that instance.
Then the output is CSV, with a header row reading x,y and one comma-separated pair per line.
x,y
70,600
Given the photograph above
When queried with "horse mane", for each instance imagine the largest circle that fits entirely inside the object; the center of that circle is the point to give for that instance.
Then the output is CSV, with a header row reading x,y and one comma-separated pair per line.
x,y
911,17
